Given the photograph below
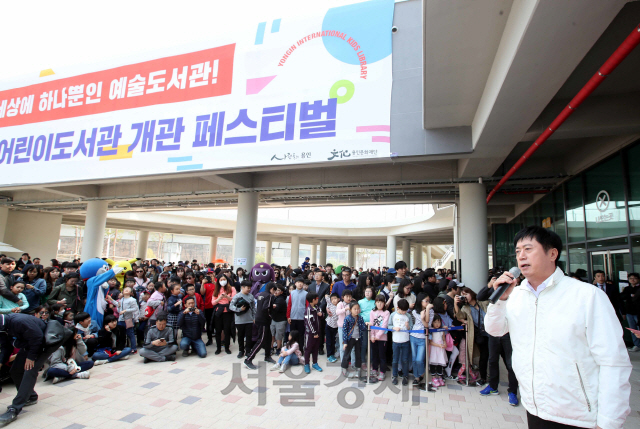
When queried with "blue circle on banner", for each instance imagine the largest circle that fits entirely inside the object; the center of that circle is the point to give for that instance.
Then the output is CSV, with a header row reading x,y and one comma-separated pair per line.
x,y
368,24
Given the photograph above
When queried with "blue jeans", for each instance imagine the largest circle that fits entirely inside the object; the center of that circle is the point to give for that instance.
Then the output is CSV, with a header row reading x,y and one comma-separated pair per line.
x,y
632,320
61,373
341,348
418,346
401,354
292,359
103,356
198,346
131,334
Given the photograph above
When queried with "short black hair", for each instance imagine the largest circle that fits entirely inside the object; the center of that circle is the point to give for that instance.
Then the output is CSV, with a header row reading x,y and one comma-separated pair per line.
x,y
345,269
7,260
346,292
162,316
636,275
597,272
335,294
81,317
400,265
71,276
108,319
299,279
403,304
245,283
547,238
158,285
311,296
190,298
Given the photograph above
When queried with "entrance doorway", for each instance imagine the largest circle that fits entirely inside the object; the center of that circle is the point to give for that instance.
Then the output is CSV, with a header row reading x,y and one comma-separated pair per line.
x,y
616,265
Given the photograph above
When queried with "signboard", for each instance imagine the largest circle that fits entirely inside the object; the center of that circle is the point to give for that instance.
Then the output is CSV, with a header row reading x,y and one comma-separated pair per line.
x,y
306,90
546,222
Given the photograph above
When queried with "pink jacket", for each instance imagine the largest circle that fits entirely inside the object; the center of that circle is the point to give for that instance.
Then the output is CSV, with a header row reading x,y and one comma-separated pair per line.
x,y
381,319
341,310
295,348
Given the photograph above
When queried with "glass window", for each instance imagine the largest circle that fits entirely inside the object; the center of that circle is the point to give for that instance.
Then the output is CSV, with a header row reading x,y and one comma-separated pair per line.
x,y
558,217
615,242
575,213
578,260
635,248
604,206
633,160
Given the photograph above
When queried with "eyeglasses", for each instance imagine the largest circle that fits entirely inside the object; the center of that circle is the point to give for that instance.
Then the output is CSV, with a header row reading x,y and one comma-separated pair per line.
x,y
43,312
139,271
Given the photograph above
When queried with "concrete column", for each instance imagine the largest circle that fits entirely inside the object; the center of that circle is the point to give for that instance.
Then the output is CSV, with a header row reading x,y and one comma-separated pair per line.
x,y
322,260
246,230
4,214
213,248
143,244
351,255
406,252
428,259
473,235
391,251
33,232
314,253
418,256
295,251
267,252
94,224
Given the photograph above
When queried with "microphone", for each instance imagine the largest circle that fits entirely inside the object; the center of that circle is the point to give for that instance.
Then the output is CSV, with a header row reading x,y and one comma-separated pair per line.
x,y
495,296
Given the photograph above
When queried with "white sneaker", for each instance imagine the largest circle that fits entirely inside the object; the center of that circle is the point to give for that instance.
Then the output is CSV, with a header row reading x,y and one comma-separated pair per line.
x,y
83,374
100,362
634,349
283,367
56,380
126,357
275,367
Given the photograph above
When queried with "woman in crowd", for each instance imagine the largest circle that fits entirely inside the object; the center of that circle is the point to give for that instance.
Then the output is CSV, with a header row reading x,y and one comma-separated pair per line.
x,y
51,275
140,277
404,292
35,287
472,313
222,316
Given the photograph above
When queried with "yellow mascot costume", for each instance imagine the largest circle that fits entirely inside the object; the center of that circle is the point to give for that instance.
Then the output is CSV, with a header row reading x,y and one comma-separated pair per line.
x,y
126,266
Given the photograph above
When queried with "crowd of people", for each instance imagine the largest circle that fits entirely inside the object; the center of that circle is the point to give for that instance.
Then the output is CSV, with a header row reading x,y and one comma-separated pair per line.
x,y
376,323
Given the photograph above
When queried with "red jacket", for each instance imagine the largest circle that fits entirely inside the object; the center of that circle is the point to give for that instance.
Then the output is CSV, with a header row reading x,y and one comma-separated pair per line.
x,y
207,289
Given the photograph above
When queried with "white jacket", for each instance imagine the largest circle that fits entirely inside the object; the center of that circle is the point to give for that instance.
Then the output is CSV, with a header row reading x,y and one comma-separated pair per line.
x,y
568,355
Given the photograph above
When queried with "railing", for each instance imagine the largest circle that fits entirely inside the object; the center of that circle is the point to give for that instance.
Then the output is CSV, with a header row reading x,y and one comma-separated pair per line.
x,y
438,262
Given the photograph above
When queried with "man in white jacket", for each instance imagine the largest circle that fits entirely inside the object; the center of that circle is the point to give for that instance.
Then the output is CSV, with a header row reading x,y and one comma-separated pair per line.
x,y
568,354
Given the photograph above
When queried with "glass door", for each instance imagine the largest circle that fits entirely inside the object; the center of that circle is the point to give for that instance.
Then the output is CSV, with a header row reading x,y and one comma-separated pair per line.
x,y
616,265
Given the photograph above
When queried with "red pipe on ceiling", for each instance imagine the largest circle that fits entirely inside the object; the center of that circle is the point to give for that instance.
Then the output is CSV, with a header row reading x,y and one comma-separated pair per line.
x,y
609,66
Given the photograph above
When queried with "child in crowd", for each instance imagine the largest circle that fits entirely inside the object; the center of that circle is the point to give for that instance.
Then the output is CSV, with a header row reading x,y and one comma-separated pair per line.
x,y
111,347
331,328
290,354
114,288
87,330
143,318
157,302
401,345
296,305
379,318
278,318
243,304
367,304
191,292
159,344
352,333
67,319
63,363
174,308
7,306
312,338
342,310
192,323
128,314
437,352
422,314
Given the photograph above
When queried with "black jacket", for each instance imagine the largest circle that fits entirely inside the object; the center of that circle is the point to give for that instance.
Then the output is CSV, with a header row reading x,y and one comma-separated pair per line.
x,y
28,332
264,304
628,301
321,291
431,289
105,338
279,314
191,324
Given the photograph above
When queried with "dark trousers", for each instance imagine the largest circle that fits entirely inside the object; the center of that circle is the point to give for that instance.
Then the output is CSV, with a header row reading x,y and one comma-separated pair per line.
x,y
347,353
208,316
262,341
311,347
298,325
92,345
501,346
535,422
223,323
25,381
378,356
323,325
482,341
331,339
244,336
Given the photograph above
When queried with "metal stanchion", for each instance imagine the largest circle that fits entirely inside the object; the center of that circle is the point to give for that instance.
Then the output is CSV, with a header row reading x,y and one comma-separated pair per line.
x,y
368,353
466,350
427,373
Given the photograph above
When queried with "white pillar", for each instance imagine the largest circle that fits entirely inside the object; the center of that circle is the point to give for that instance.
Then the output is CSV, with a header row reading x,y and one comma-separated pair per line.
x,y
406,252
213,248
473,235
267,252
322,260
391,251
429,260
351,255
143,244
4,214
314,253
246,230
94,224
418,256
295,251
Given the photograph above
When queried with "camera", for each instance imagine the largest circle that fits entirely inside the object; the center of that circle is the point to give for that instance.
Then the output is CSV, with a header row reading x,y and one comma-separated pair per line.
x,y
462,300
191,310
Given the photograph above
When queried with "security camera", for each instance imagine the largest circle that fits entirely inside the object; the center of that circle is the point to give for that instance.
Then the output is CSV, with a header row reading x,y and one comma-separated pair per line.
x,y
394,29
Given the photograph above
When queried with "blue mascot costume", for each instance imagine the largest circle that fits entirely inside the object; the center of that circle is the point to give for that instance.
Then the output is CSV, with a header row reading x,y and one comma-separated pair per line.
x,y
95,272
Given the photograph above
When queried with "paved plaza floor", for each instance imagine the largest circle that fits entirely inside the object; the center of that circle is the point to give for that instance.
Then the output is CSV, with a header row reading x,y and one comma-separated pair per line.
x,y
217,392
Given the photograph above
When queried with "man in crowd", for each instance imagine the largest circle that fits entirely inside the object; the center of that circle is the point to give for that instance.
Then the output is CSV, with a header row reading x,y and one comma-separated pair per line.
x,y
631,302
345,283
319,287
568,354
610,289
